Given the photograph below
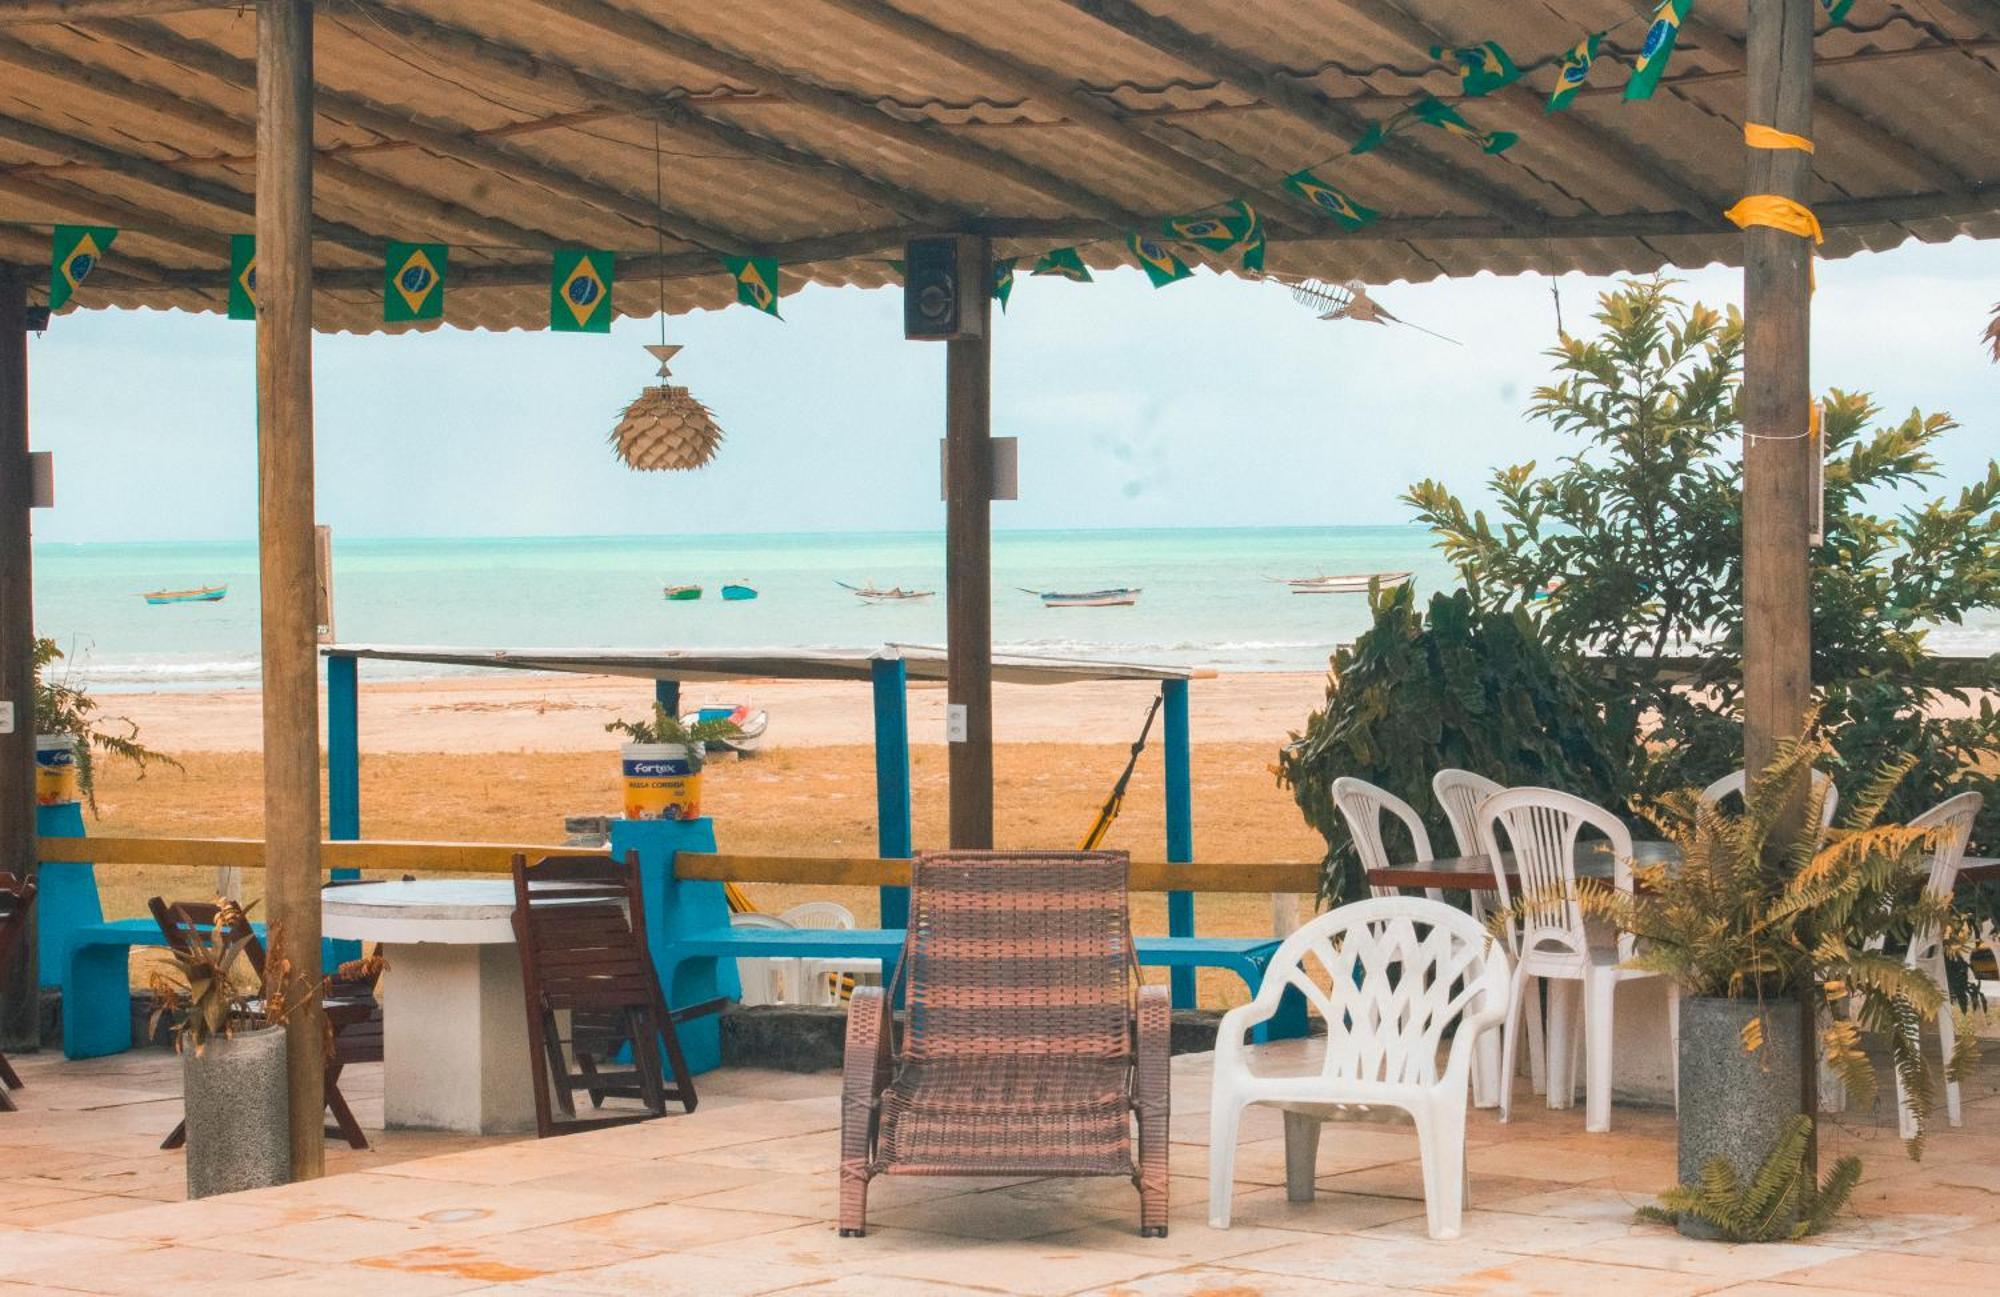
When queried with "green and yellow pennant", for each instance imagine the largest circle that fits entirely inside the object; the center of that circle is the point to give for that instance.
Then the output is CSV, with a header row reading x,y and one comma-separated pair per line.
x,y
1237,225
1066,262
756,282
73,253
1335,202
1572,71
1432,111
413,282
580,291
1657,48
1836,10
1481,69
1156,259
1003,280
242,276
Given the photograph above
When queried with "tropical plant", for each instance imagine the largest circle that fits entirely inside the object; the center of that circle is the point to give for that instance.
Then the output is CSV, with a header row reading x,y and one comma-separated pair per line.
x,y
203,991
63,705
1781,1201
1761,906
665,727
1466,687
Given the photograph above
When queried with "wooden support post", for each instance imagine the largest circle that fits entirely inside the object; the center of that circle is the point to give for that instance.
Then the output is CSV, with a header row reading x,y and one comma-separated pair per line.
x,y
968,579
1176,756
20,981
286,544
893,835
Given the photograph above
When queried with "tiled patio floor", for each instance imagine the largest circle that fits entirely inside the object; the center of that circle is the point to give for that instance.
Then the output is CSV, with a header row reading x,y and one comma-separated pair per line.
x,y
740,1198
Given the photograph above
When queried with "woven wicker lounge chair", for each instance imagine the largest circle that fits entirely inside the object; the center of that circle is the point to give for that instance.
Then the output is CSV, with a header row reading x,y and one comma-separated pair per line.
x,y
1030,1044
17,902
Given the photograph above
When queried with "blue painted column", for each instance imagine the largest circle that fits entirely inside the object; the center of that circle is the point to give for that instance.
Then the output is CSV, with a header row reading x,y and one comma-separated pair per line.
x,y
894,836
68,899
674,909
343,773
1180,825
667,693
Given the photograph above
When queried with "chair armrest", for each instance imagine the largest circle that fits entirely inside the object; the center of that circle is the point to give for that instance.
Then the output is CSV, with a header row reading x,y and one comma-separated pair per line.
x,y
866,1064
1155,1049
1235,1025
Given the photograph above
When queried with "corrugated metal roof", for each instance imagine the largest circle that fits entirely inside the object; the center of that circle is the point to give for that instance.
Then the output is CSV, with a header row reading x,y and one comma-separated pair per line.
x,y
825,132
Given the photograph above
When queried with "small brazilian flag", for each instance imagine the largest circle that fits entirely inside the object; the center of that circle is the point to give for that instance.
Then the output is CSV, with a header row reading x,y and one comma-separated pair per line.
x,y
756,282
580,291
1436,112
413,282
1572,70
73,254
1481,69
1836,10
242,276
1066,262
1237,226
1657,48
1346,213
1157,260
1003,280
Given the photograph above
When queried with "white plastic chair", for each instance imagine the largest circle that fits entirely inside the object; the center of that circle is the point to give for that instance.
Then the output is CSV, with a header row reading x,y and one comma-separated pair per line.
x,y
1954,816
1822,786
1550,940
818,976
1362,804
1389,976
765,981
1460,793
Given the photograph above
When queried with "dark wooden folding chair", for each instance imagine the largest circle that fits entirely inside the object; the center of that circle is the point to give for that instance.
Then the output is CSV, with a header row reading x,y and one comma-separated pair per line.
x,y
17,902
580,923
349,1006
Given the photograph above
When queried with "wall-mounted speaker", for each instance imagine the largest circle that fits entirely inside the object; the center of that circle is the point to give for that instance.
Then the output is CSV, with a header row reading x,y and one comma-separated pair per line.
x,y
941,296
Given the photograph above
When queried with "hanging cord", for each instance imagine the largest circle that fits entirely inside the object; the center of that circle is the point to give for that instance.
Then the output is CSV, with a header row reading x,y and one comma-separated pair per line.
x,y
1108,814
660,232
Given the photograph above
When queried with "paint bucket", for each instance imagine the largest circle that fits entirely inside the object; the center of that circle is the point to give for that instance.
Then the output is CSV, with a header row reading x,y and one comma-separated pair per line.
x,y
662,781
56,779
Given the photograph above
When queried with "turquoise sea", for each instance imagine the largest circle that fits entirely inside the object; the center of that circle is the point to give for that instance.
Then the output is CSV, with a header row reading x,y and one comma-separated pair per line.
x,y
1206,601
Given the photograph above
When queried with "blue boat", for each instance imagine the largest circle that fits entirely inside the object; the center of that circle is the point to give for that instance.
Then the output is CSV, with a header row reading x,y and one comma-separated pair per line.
x,y
206,594
736,590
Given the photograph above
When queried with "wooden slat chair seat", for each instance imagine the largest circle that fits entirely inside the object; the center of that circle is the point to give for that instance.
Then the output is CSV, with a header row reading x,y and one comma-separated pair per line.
x,y
1029,1046
349,1005
580,924
17,900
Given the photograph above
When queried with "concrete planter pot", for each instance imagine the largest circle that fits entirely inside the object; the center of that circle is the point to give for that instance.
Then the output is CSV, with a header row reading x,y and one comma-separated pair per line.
x,y
238,1113
1734,1103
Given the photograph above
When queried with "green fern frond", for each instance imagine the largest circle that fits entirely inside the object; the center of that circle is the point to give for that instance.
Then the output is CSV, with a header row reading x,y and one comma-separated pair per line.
x,y
1780,1202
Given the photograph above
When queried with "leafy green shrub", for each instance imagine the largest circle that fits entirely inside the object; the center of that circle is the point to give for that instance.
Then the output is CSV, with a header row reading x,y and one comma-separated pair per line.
x,y
1781,1201
1465,687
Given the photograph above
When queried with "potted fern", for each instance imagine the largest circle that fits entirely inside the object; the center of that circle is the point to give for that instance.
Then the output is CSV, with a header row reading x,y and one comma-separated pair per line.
x,y
662,763
70,734
1763,921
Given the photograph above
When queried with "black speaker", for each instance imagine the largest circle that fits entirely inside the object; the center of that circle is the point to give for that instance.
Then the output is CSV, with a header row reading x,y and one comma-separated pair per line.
x,y
939,305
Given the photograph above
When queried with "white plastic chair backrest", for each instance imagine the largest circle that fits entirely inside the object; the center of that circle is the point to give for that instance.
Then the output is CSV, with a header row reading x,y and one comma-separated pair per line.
x,y
821,916
1390,976
765,981
1955,816
1460,792
1361,805
1822,783
1541,827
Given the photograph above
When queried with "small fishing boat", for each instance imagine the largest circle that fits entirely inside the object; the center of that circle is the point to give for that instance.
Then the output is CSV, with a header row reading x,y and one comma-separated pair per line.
x,y
894,594
737,590
750,722
206,594
1119,597
681,593
1348,583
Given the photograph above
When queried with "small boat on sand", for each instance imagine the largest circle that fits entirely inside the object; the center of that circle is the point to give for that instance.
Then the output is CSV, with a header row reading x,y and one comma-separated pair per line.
x,y
750,723
205,594
1117,597
739,590
681,593
1347,583
871,593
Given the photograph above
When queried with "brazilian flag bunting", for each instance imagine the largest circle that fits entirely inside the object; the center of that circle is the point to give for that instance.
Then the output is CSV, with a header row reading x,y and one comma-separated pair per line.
x,y
242,276
1436,112
1236,226
1003,280
73,254
756,282
1336,203
1066,262
1657,49
1481,69
1157,260
1836,10
413,282
1572,71
580,291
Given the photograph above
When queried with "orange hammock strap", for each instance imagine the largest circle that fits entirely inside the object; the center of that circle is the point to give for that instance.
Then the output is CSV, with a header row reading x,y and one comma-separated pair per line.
x,y
1759,136
1777,212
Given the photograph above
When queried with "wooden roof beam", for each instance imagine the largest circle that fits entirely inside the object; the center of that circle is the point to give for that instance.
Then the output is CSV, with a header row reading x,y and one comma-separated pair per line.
x,y
1274,87
82,11
484,52
82,206
394,198
623,25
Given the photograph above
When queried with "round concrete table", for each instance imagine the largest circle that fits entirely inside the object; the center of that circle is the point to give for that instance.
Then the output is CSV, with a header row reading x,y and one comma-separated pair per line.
x,y
454,1021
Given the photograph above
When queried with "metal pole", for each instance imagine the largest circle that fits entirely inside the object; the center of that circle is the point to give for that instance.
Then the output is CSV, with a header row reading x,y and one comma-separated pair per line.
x,y
893,836
1176,755
969,557
20,981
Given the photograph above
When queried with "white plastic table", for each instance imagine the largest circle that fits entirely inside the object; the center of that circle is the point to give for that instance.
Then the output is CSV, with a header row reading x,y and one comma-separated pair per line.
x,y
454,1020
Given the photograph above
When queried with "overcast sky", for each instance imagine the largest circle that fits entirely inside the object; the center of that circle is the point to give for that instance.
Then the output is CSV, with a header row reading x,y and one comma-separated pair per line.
x,y
1212,402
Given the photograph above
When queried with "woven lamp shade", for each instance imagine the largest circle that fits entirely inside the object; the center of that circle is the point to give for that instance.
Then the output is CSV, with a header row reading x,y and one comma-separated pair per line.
x,y
666,428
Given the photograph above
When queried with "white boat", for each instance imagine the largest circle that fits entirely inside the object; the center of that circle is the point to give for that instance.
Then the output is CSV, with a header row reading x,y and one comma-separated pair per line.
x,y
1118,597
870,593
1347,583
750,722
